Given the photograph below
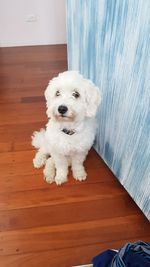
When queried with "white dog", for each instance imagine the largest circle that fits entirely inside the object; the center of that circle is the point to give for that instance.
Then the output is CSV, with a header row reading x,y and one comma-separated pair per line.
x,y
72,103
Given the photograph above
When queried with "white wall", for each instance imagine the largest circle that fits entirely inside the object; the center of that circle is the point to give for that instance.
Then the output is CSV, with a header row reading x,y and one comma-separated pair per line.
x,y
49,26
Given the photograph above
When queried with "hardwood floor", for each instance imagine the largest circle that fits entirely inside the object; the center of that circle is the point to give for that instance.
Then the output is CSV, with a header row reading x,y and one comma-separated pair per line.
x,y
42,224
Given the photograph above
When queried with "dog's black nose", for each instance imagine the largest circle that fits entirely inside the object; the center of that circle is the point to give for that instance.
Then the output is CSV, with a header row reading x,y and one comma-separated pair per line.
x,y
62,109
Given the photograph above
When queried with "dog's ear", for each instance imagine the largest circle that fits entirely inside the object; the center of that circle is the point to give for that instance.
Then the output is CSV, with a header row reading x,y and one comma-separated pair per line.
x,y
50,90
92,98
48,96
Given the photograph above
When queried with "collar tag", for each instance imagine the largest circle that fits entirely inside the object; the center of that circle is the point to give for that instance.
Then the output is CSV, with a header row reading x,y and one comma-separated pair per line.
x,y
69,132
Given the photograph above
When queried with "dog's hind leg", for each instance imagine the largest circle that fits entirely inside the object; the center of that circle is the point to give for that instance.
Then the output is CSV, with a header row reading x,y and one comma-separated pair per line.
x,y
40,159
49,171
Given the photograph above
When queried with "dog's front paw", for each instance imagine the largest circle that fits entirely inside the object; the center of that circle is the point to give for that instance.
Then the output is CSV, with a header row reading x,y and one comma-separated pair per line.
x,y
80,174
39,161
49,177
60,179
49,171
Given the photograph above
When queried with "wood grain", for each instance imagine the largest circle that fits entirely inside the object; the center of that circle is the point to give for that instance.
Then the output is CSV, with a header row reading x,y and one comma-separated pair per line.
x,y
42,224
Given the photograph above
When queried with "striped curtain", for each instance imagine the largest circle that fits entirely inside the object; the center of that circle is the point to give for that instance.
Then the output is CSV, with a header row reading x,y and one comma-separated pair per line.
x,y
109,42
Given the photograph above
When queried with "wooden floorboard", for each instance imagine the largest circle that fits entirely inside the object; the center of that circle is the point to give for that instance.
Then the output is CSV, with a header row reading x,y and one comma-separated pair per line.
x,y
42,224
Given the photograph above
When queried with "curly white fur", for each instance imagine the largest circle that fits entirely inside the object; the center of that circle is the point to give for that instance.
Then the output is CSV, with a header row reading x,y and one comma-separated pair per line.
x,y
58,150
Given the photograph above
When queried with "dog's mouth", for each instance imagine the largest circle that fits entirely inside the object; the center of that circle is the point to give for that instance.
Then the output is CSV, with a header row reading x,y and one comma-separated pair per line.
x,y
64,117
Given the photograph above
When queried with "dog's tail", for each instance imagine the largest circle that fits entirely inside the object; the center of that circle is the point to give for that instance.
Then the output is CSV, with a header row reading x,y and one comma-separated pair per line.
x,y
38,139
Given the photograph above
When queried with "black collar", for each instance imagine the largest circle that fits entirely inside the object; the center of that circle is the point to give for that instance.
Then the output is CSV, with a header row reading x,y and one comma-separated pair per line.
x,y
69,132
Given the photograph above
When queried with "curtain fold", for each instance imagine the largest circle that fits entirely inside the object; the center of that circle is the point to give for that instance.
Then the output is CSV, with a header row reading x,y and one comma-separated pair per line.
x,y
109,43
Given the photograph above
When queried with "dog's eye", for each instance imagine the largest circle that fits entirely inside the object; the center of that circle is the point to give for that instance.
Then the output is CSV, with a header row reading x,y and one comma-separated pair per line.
x,y
57,93
76,94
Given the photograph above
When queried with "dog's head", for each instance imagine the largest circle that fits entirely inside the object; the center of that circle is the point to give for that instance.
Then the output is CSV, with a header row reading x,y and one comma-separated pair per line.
x,y
70,97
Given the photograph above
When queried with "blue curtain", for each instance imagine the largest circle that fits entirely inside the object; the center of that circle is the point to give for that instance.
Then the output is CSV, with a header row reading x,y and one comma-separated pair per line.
x,y
109,42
